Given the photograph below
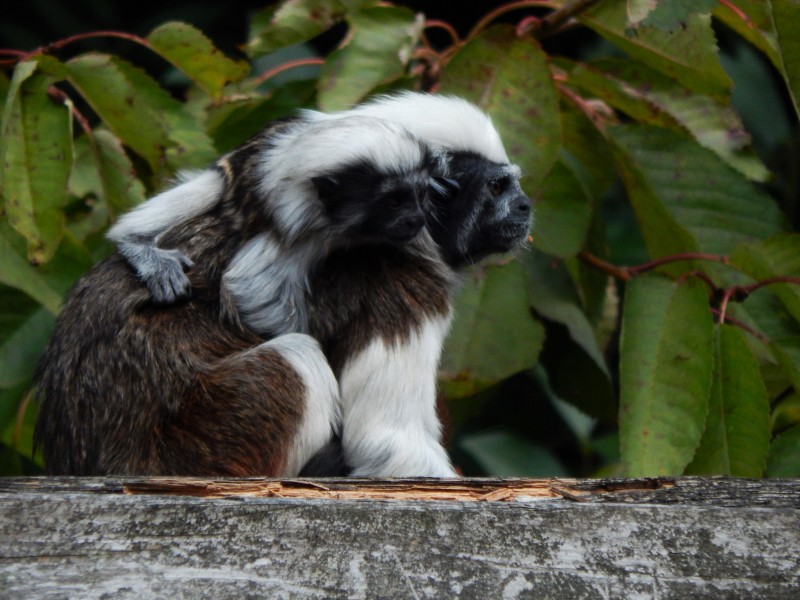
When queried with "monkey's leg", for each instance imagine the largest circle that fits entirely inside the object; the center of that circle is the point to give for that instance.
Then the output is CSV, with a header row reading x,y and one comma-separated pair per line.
x,y
390,427
262,411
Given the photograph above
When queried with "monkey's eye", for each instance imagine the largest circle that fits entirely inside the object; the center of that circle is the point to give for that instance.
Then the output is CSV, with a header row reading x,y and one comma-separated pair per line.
x,y
498,186
395,201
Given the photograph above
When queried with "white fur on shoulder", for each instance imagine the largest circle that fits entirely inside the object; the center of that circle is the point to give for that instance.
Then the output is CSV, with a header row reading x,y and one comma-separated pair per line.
x,y
390,427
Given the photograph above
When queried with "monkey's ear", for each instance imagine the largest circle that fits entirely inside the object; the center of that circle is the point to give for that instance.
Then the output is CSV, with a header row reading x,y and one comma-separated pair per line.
x,y
444,186
327,186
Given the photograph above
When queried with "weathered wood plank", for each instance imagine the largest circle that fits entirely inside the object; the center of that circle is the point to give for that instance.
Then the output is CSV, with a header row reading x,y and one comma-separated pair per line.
x,y
87,538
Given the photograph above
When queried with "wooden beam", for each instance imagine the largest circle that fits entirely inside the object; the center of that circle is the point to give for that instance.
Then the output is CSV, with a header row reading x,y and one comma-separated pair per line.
x,y
484,538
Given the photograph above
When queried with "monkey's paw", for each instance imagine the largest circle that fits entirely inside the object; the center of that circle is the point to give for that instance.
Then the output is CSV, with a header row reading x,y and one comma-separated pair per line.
x,y
168,282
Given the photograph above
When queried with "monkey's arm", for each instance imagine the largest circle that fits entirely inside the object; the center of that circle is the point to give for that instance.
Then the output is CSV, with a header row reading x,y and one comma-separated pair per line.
x,y
390,426
136,234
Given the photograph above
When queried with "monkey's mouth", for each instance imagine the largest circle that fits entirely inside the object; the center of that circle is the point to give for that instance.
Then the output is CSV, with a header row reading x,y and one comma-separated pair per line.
x,y
510,235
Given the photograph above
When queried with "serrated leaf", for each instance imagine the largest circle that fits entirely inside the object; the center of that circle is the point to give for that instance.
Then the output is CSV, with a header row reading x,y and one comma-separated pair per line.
x,y
685,198
194,54
778,256
509,77
666,366
139,112
786,16
736,438
36,158
650,97
24,330
688,54
295,21
494,334
563,211
675,14
585,151
639,9
784,455
377,50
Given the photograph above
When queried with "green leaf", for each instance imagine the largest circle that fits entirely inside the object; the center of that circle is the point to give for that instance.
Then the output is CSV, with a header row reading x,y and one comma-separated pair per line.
x,y
766,315
586,152
675,14
377,50
639,9
295,21
509,77
736,439
494,334
36,158
688,55
649,97
194,54
685,198
121,189
757,28
778,256
16,272
784,455
786,16
562,214
139,112
502,453
666,369
24,330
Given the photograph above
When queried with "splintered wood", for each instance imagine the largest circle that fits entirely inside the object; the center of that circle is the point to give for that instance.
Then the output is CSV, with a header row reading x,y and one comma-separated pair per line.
x,y
527,490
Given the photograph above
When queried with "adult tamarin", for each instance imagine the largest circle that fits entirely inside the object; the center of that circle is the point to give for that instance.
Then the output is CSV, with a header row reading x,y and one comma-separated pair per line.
x,y
382,314
131,386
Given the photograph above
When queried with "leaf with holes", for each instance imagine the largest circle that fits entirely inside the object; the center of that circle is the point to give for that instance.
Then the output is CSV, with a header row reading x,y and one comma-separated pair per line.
x,y
650,97
736,438
494,334
194,54
509,77
666,367
688,54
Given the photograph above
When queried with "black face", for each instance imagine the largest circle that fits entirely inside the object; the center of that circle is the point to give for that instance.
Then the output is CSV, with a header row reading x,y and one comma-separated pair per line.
x,y
372,207
482,210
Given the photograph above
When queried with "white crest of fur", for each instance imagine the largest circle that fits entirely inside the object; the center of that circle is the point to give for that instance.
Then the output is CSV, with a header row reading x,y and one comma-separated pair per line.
x,y
195,194
321,414
446,122
318,146
389,423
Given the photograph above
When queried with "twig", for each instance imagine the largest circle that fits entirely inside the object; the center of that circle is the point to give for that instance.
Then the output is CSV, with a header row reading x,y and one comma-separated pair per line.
x,y
738,12
437,24
551,23
300,62
505,8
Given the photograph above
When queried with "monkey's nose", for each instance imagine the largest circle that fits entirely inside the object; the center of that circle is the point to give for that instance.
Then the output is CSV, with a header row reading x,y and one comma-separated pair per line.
x,y
521,206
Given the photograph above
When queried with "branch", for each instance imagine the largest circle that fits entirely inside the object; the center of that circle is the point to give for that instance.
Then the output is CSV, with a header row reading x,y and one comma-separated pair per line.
x,y
552,22
627,273
300,62
506,8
